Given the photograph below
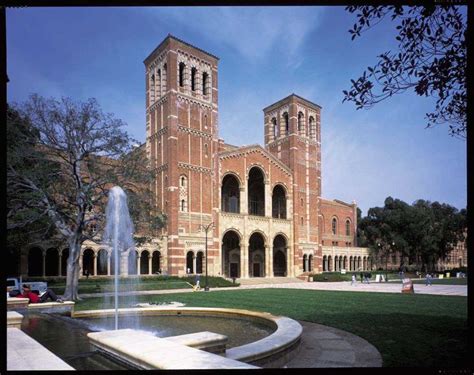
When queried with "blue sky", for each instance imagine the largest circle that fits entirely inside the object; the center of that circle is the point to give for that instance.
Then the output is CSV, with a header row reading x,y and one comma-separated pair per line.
x,y
266,53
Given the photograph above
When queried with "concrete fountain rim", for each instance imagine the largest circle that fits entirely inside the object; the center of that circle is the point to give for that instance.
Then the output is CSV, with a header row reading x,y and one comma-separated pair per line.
x,y
287,334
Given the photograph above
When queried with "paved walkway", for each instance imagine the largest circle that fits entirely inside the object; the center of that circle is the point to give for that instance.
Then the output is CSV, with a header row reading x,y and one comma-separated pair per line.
x,y
323,346
391,287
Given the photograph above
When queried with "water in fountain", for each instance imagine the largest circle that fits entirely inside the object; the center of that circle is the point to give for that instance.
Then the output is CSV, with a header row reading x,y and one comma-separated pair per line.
x,y
118,235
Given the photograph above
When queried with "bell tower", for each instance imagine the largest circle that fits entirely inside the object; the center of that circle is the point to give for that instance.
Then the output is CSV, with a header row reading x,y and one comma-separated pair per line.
x,y
293,134
182,140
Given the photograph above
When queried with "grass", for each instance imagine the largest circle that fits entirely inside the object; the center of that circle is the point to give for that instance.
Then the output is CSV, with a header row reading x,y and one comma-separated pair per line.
x,y
408,330
100,285
450,281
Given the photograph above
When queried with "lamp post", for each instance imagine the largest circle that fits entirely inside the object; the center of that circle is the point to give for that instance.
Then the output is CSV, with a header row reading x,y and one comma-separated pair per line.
x,y
206,228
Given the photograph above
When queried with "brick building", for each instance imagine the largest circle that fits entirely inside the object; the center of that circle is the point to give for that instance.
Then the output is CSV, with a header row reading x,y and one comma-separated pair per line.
x,y
264,202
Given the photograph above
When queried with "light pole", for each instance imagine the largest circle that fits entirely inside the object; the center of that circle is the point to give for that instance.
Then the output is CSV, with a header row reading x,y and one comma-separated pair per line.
x,y
206,228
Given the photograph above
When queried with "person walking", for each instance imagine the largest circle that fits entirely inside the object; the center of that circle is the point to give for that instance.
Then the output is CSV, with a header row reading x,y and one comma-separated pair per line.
x,y
198,279
354,279
429,280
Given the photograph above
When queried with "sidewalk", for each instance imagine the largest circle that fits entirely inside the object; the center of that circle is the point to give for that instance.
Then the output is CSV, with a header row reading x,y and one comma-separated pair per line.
x,y
390,287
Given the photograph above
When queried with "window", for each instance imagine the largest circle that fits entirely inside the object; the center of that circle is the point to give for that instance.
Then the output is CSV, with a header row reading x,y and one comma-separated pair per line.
x,y
348,227
312,132
204,83
183,205
300,122
205,151
183,181
302,221
193,79
275,127
182,66
287,122
301,202
334,226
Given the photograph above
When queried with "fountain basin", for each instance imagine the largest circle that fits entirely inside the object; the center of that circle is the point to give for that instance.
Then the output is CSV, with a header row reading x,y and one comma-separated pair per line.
x,y
274,350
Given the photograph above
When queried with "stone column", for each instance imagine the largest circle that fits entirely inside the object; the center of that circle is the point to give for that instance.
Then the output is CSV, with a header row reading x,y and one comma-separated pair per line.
x,y
243,201
149,263
306,263
245,261
268,199
81,264
139,264
108,264
95,265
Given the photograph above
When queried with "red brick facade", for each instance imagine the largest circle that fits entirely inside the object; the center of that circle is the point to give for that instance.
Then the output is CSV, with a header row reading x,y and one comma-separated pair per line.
x,y
265,203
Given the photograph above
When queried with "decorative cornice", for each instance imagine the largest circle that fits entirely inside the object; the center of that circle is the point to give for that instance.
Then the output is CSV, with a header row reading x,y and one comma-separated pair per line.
x,y
189,99
199,133
246,150
195,168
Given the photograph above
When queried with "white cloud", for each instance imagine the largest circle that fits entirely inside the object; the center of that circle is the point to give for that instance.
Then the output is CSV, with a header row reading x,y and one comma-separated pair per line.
x,y
255,32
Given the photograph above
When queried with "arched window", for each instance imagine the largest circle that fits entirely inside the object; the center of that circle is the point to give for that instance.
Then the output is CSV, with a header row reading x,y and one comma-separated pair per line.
x,y
183,193
182,66
279,202
205,83
193,79
348,227
334,226
206,154
183,181
312,130
158,83
230,194
275,127
300,123
163,81
183,205
287,122
256,192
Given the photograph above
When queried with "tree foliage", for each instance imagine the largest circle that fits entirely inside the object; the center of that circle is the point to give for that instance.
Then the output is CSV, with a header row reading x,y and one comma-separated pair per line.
x,y
431,59
423,232
60,171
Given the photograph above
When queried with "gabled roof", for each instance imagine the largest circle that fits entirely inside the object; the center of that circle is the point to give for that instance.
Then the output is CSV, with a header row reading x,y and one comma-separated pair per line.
x,y
257,147
336,202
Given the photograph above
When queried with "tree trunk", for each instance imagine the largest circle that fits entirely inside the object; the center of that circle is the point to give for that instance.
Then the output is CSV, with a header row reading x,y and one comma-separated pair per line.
x,y
72,276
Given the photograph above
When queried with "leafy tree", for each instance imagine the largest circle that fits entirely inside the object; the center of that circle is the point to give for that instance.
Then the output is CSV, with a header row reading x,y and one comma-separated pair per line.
x,y
431,59
77,154
423,232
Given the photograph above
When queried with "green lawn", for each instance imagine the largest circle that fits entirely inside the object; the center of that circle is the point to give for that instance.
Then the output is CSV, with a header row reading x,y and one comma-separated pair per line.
x,y
100,285
450,281
408,330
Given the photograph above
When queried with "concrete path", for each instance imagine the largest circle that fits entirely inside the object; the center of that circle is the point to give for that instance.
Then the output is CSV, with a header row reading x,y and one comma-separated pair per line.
x,y
391,287
323,346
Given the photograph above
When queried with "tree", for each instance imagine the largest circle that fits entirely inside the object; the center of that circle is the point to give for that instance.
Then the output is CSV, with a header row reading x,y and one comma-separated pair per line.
x,y
78,154
431,60
423,232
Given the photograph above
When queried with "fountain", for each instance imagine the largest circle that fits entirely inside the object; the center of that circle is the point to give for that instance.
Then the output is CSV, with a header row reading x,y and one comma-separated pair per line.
x,y
118,234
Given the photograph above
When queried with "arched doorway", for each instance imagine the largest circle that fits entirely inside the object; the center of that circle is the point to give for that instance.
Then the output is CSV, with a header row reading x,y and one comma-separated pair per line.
x,y
256,192
144,262
310,263
88,261
189,262
325,265
230,196
256,255
64,256
102,260
35,262
231,254
52,262
156,262
279,256
305,263
199,262
329,263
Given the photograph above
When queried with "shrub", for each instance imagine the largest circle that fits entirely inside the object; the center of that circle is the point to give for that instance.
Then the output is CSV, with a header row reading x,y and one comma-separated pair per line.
x,y
328,277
